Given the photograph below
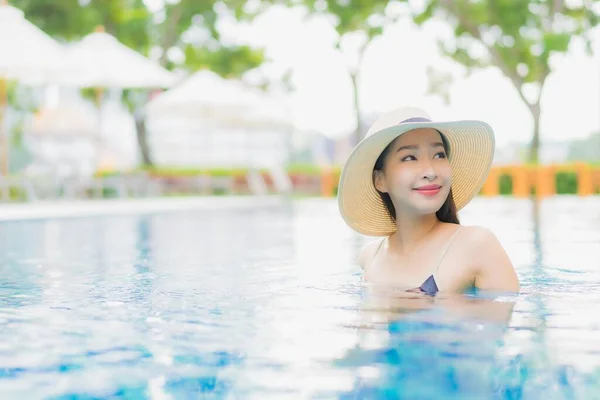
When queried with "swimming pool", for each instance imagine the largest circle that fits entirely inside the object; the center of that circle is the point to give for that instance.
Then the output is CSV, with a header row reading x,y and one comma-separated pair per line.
x,y
264,302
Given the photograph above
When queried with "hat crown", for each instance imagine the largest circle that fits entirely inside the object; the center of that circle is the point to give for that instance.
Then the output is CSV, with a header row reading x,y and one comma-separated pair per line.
x,y
396,116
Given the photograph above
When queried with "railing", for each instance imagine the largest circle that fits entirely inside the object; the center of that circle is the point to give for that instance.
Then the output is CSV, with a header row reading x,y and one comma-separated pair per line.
x,y
524,180
541,180
513,180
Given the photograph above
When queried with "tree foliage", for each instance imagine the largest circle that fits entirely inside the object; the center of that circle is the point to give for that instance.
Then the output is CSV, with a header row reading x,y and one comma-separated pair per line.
x,y
187,27
193,27
368,17
517,36
69,20
362,19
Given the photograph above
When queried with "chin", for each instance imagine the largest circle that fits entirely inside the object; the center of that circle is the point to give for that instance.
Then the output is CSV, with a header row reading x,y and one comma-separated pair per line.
x,y
429,207
428,210
422,205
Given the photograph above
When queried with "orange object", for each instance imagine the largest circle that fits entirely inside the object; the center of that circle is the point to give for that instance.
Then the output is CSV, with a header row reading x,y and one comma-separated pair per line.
x,y
545,181
491,187
520,181
596,180
584,180
327,182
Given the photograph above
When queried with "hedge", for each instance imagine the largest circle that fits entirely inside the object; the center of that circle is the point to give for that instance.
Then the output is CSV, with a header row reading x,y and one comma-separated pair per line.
x,y
566,183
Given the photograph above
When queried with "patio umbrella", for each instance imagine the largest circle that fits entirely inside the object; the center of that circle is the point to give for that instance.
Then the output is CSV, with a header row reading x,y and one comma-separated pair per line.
x,y
26,54
105,62
207,95
204,93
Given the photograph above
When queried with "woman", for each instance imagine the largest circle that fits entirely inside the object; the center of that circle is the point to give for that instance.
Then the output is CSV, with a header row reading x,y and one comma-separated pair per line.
x,y
405,181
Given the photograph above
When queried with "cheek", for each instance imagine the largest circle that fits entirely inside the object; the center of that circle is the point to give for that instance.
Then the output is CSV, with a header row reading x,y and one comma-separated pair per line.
x,y
445,171
400,176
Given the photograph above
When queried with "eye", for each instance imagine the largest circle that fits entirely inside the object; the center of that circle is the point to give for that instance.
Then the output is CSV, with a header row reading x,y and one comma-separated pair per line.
x,y
408,158
441,154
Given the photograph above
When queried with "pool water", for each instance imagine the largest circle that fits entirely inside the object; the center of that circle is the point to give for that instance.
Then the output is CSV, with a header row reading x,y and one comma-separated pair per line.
x,y
265,302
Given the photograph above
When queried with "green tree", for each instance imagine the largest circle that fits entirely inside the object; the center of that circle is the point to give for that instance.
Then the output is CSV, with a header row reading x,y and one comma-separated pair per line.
x,y
69,20
517,36
189,27
357,20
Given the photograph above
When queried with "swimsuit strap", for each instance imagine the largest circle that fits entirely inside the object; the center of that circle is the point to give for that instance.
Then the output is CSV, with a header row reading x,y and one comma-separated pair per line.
x,y
447,248
377,251
439,262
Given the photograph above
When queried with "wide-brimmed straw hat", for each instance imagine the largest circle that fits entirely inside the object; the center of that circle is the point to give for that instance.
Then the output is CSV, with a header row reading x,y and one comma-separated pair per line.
x,y
470,152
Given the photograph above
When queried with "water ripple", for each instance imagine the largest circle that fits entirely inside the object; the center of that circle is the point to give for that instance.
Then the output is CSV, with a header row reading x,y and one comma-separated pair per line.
x,y
267,304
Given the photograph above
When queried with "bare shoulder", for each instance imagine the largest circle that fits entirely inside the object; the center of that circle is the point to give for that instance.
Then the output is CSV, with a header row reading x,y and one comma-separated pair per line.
x,y
479,241
478,236
368,251
491,264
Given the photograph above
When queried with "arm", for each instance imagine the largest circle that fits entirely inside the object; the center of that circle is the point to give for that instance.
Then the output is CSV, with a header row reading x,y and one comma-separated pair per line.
x,y
493,269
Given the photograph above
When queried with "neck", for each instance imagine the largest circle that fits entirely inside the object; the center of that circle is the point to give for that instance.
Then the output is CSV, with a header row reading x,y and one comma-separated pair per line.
x,y
411,230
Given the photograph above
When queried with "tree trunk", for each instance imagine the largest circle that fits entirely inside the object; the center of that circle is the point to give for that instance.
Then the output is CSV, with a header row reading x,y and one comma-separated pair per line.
x,y
534,146
142,138
358,134
170,34
169,40
354,74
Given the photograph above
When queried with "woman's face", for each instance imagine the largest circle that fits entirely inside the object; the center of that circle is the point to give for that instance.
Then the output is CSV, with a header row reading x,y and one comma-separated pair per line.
x,y
416,172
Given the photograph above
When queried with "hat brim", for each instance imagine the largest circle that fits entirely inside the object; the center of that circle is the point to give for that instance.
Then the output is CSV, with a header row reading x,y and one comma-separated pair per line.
x,y
471,151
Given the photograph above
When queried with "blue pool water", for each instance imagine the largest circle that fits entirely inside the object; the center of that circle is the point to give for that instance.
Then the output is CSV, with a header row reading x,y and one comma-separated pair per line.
x,y
264,302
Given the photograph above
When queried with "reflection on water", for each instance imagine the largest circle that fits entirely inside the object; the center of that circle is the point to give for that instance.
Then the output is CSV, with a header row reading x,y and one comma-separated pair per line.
x,y
267,303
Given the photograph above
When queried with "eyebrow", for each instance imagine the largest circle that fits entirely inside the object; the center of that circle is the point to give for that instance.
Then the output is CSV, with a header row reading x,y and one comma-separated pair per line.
x,y
415,147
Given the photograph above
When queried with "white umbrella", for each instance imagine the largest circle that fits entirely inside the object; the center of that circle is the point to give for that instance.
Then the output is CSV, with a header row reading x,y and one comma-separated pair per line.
x,y
207,95
106,62
204,93
26,54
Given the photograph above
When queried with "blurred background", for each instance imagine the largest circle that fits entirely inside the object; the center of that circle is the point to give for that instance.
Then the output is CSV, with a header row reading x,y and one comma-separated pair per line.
x,y
121,98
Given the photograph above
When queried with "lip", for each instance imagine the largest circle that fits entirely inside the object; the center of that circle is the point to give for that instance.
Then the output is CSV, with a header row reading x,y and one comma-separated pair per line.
x,y
428,190
429,187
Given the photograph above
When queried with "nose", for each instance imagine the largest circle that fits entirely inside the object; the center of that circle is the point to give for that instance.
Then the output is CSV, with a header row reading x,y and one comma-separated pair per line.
x,y
428,170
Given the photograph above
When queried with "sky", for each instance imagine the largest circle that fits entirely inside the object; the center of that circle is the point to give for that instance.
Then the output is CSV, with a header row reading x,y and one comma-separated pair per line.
x,y
393,74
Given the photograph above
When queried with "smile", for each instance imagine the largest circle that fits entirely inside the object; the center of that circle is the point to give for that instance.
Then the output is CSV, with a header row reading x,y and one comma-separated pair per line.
x,y
430,190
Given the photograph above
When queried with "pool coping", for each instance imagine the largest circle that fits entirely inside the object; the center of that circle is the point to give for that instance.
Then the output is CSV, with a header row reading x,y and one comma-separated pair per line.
x,y
69,208
129,206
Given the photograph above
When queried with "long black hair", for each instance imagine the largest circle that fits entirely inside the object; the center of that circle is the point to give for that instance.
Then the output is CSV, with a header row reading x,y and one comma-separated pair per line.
x,y
446,213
